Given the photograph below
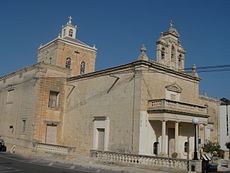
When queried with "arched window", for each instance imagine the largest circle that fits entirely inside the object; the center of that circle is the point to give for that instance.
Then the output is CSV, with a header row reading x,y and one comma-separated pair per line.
x,y
172,53
68,63
186,147
155,148
162,53
82,68
71,33
180,57
180,60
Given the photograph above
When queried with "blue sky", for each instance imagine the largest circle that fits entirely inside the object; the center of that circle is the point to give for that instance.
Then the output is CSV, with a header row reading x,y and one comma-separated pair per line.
x,y
118,28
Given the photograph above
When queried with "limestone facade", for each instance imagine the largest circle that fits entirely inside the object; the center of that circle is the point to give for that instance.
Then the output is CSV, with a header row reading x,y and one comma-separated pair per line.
x,y
143,107
68,52
224,118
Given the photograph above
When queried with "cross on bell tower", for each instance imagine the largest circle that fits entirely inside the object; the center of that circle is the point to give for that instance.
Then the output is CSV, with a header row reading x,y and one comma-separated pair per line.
x,y
69,30
171,24
70,19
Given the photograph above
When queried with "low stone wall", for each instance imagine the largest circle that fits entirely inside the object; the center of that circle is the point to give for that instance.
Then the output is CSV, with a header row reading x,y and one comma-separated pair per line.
x,y
226,154
142,160
59,149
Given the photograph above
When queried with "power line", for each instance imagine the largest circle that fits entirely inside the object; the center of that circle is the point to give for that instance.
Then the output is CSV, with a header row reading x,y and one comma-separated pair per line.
x,y
217,70
209,67
214,68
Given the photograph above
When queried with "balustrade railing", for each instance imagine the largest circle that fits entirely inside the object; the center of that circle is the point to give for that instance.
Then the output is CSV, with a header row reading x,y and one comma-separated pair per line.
x,y
164,104
149,161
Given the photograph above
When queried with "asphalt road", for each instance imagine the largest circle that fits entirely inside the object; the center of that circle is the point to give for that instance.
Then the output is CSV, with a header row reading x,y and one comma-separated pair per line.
x,y
10,163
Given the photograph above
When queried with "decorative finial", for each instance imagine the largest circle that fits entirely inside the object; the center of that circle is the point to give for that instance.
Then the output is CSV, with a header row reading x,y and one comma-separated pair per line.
x,y
70,19
194,68
143,49
143,55
171,24
194,71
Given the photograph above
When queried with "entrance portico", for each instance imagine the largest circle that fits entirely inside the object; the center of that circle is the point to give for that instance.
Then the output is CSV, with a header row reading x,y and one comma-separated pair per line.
x,y
170,126
175,138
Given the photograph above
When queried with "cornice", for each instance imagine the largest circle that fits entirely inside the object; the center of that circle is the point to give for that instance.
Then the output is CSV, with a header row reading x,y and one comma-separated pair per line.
x,y
177,112
132,66
23,70
68,42
35,66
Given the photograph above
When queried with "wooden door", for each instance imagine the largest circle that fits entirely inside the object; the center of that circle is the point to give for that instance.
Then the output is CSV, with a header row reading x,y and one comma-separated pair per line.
x,y
101,139
51,134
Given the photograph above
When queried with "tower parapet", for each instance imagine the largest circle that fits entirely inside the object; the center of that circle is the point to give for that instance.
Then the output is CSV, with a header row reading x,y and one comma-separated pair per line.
x,y
169,50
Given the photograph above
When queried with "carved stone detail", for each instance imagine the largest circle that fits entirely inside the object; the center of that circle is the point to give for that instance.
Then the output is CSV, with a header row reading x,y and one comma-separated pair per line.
x,y
174,87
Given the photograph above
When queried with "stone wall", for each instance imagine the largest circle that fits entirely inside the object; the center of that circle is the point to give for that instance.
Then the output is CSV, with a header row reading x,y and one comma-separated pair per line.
x,y
154,83
24,111
58,50
45,114
17,107
213,120
115,96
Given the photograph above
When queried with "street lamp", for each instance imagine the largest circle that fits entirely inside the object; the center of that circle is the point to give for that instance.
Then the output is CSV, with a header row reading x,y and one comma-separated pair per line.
x,y
195,122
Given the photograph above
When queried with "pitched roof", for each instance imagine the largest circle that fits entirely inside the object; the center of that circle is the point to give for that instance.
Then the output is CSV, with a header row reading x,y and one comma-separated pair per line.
x,y
76,41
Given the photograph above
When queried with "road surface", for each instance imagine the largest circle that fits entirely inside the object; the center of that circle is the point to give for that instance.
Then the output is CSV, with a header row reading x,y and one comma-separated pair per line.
x,y
10,163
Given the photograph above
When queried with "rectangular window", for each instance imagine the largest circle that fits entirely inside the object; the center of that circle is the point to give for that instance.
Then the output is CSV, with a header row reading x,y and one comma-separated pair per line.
x,y
186,147
23,126
10,96
53,99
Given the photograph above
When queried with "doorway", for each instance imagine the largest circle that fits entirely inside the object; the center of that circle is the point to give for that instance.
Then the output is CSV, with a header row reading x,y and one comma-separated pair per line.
x,y
51,133
101,139
171,141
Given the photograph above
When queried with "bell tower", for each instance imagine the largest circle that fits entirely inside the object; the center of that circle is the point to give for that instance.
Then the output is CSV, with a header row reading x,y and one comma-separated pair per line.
x,y
169,50
67,51
69,30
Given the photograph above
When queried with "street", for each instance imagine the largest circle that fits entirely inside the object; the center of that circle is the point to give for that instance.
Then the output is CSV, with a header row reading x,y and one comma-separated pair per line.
x,y
12,163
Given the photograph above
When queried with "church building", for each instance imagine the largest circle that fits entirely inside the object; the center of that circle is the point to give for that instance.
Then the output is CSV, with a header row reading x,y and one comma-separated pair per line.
x,y
62,105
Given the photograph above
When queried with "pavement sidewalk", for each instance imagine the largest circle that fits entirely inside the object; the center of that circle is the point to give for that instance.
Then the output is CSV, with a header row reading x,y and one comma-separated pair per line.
x,y
93,164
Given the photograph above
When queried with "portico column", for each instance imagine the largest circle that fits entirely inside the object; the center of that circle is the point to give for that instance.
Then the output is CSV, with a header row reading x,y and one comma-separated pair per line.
x,y
205,135
163,143
176,136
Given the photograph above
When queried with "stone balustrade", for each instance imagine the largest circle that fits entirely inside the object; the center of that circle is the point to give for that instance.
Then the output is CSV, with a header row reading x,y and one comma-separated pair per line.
x,y
53,148
170,105
141,160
